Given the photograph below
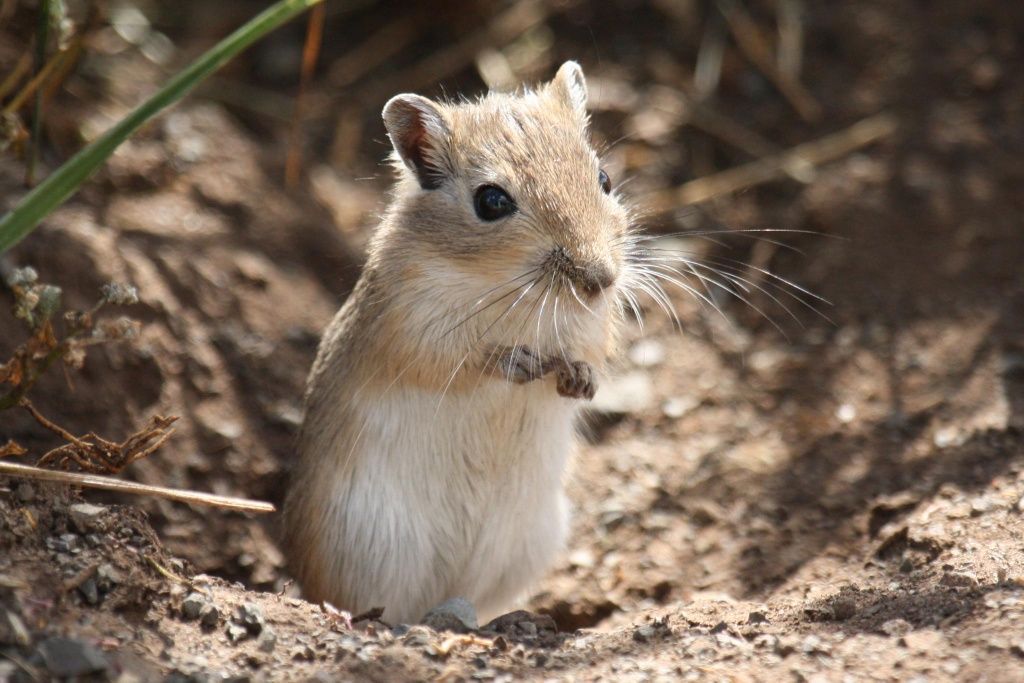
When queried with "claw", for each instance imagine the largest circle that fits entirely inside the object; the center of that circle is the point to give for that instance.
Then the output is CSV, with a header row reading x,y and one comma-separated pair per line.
x,y
576,380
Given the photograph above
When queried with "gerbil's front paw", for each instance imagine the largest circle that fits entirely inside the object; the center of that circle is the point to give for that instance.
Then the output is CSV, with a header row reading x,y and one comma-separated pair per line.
x,y
576,380
520,365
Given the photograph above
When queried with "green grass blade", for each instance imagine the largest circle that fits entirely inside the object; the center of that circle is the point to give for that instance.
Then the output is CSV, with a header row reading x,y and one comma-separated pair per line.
x,y
63,182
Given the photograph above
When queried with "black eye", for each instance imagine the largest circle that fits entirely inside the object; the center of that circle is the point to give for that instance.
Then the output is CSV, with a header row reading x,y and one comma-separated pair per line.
x,y
606,182
491,203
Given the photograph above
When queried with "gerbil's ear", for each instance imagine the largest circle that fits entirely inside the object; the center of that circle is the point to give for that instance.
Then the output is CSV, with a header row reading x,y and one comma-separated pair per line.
x,y
570,85
420,136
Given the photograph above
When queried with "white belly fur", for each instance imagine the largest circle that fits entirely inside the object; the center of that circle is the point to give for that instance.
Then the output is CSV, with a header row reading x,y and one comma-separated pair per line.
x,y
458,498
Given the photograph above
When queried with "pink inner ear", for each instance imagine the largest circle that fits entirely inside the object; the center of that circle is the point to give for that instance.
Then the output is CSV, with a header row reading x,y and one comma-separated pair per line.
x,y
414,142
408,126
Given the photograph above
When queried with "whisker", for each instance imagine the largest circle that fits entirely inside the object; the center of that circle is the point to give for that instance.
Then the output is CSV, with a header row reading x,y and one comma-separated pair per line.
x,y
473,347
492,303
733,279
745,300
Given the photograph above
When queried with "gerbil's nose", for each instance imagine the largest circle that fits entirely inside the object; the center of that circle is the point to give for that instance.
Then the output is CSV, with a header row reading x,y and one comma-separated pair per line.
x,y
596,277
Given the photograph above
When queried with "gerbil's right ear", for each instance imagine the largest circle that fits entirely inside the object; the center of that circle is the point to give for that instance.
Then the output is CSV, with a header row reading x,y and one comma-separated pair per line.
x,y
571,87
420,136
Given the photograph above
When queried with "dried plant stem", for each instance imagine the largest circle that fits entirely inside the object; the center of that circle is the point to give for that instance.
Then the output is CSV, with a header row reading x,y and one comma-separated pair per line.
x,y
21,67
42,35
806,155
310,52
109,484
759,50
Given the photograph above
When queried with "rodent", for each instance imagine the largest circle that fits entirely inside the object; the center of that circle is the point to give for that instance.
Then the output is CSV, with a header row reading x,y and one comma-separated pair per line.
x,y
440,410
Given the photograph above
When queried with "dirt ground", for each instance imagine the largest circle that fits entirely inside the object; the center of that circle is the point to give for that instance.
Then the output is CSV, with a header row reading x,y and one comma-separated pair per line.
x,y
757,497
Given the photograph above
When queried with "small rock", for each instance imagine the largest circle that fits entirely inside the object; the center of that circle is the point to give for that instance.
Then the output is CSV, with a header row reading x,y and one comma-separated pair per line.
x,y
193,604
416,636
949,436
209,615
89,591
25,493
107,577
677,406
85,516
267,640
303,653
757,618
896,628
456,614
582,558
812,644
843,608
65,543
980,506
643,634
647,353
249,616
846,413
959,580
520,623
66,658
236,632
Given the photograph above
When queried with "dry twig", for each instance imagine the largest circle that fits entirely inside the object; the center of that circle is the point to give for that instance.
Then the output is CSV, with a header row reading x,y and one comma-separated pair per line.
x,y
806,155
108,484
96,455
758,49
310,52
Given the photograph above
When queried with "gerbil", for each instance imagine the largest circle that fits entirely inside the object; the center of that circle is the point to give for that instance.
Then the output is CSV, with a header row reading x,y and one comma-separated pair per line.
x,y
440,410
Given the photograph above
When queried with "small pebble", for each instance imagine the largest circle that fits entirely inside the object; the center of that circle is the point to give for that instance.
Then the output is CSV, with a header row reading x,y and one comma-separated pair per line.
x,y
86,516
25,493
643,634
647,353
267,640
89,591
67,658
456,614
236,632
249,616
209,615
193,605
677,406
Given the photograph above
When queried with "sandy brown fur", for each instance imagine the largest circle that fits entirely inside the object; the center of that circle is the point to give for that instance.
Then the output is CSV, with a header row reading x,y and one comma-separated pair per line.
x,y
415,339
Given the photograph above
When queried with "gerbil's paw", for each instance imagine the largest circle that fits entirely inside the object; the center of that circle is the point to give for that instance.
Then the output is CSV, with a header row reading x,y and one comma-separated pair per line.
x,y
520,364
576,380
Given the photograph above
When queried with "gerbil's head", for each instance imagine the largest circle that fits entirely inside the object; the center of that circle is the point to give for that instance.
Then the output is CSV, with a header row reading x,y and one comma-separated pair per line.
x,y
507,193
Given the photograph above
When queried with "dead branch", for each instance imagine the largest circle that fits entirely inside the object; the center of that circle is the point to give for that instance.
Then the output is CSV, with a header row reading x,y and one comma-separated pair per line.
x,y
94,454
806,156
759,51
109,484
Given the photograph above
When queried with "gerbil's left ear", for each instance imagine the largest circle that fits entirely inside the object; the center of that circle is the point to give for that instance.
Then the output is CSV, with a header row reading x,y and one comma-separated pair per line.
x,y
420,136
570,85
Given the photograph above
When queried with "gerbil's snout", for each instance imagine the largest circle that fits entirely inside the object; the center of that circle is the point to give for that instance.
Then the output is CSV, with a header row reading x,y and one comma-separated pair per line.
x,y
592,279
589,279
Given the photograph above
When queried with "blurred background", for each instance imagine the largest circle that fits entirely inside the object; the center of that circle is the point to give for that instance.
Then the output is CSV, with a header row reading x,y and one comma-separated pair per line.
x,y
748,453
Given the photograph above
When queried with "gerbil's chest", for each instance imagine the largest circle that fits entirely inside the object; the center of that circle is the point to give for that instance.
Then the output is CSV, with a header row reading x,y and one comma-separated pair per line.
x,y
497,429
